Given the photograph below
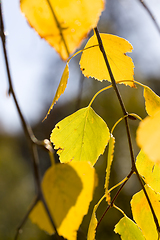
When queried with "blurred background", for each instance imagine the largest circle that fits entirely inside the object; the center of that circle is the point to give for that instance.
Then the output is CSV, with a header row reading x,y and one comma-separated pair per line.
x,y
36,70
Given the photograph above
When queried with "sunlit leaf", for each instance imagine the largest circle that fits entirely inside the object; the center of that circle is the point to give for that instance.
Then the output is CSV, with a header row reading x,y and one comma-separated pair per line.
x,y
109,163
152,101
61,88
92,62
62,23
142,213
81,136
149,170
93,223
68,190
148,136
128,230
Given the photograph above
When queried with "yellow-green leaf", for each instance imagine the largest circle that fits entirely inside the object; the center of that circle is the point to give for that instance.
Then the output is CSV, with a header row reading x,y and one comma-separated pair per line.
x,y
148,136
128,230
109,163
152,101
81,136
92,62
68,190
142,213
149,170
63,24
93,223
61,88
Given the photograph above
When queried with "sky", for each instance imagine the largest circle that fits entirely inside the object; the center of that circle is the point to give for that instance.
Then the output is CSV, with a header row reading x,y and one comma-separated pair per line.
x,y
30,57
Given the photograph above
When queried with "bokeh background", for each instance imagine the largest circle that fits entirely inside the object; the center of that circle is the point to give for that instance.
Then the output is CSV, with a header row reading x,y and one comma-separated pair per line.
x,y
36,70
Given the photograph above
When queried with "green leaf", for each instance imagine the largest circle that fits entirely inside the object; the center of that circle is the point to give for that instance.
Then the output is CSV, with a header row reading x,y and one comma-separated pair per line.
x,y
142,213
81,136
68,190
152,101
128,230
61,88
109,163
149,170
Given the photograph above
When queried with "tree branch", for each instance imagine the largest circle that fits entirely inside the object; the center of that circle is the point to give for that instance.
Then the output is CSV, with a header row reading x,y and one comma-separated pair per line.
x,y
27,129
134,168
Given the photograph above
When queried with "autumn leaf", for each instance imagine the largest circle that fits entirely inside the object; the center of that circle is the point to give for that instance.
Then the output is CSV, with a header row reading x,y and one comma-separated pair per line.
x,y
128,230
81,136
109,163
64,23
142,213
92,62
152,101
149,170
148,137
68,190
93,222
61,88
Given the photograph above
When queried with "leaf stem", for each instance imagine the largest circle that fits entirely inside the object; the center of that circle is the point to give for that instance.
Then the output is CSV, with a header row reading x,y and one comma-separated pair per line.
x,y
101,90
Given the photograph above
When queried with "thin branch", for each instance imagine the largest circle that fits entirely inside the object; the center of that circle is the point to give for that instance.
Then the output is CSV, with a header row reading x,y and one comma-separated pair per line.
x,y
150,14
27,129
134,169
35,201
115,197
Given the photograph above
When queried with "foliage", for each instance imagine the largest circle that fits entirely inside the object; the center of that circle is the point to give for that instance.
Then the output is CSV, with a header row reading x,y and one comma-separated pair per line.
x,y
67,188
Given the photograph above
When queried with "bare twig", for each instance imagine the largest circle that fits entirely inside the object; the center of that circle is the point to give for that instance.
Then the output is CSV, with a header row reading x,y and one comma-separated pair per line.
x,y
134,168
150,14
29,134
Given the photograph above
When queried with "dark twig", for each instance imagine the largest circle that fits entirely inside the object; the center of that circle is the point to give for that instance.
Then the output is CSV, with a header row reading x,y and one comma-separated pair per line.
x,y
150,14
35,201
28,132
134,169
114,198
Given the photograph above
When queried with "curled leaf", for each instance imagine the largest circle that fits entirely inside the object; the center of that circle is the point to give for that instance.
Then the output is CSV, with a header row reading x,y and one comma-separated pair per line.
x,y
108,169
61,88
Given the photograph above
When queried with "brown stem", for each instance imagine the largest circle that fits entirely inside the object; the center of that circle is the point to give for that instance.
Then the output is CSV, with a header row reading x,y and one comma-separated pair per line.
x,y
27,129
150,14
134,169
114,198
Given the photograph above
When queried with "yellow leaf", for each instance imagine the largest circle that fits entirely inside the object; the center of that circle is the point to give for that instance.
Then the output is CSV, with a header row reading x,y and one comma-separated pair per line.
x,y
149,170
81,136
128,229
109,163
148,137
62,23
93,223
92,62
68,190
61,88
142,213
152,101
